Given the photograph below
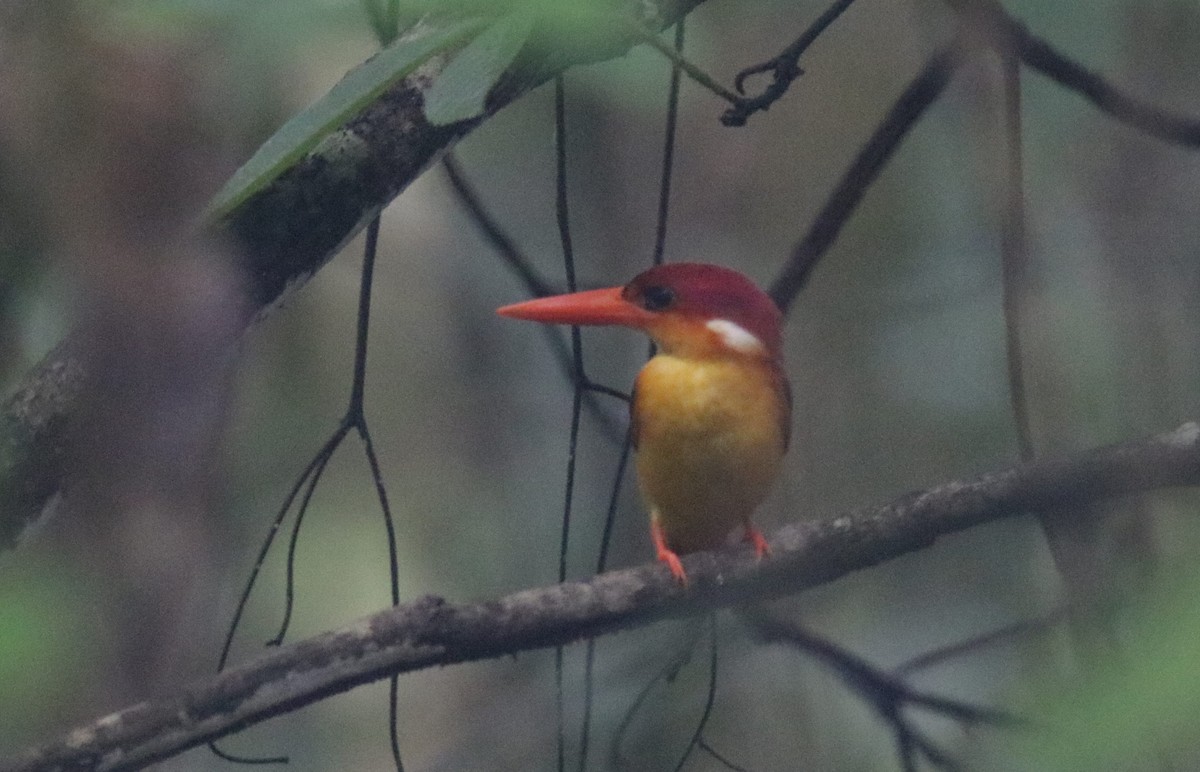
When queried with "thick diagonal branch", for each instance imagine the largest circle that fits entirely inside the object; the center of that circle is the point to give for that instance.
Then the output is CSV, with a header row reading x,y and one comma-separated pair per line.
x,y
286,233
433,632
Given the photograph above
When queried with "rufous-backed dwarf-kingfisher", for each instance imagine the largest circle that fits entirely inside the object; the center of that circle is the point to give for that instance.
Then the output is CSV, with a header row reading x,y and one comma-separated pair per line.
x,y
711,411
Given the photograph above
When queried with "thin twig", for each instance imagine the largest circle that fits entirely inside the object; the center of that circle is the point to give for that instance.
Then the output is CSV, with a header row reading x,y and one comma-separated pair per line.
x,y
306,481
289,583
562,216
666,673
504,245
1013,251
784,69
972,645
720,758
589,661
710,696
679,60
394,585
492,231
354,418
870,161
1007,33
887,693
668,154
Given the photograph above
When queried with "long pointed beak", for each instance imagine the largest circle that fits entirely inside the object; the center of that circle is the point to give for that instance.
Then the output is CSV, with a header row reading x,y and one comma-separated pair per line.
x,y
602,306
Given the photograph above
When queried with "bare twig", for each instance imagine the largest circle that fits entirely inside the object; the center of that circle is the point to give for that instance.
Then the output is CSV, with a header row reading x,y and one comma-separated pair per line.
x,y
681,62
355,418
495,235
784,68
611,423
433,632
874,155
720,758
1006,32
885,691
710,696
1019,629
1013,252
667,673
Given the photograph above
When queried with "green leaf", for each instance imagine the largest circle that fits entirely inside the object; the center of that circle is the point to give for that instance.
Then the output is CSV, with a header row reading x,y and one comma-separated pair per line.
x,y
461,90
351,94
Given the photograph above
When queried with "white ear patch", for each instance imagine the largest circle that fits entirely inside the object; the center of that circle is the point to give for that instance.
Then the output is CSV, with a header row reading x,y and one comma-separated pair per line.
x,y
736,336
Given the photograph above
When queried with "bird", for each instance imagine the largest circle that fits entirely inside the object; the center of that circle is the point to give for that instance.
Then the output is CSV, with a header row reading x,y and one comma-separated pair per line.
x,y
710,414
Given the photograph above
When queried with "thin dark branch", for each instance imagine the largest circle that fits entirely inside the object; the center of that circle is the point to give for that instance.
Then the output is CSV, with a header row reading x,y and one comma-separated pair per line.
x,y
1013,251
886,692
563,220
289,584
608,391
710,695
354,418
880,687
433,632
610,424
1007,33
870,161
492,231
784,68
589,660
668,155
307,481
389,525
1019,629
679,61
666,673
357,416
720,758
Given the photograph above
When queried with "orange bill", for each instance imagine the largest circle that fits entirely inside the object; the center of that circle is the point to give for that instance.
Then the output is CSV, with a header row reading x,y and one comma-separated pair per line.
x,y
593,307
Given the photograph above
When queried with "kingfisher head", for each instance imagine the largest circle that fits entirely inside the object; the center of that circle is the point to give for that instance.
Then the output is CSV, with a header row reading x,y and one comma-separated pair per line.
x,y
688,309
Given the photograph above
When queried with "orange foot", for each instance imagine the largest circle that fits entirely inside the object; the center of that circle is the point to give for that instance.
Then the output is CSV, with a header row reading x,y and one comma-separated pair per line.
x,y
666,555
755,537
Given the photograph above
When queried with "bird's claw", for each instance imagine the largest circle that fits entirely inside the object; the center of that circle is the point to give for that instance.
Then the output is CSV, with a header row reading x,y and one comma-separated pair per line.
x,y
755,537
666,555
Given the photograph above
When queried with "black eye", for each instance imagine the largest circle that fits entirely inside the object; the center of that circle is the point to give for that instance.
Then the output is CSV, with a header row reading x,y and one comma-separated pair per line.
x,y
657,298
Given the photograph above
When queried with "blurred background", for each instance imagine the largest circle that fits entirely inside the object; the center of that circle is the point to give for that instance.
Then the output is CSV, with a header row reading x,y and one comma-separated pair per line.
x,y
122,117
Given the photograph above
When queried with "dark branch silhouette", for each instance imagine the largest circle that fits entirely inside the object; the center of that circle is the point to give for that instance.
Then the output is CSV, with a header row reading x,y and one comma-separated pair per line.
x,y
286,233
433,632
888,693
922,92
784,68
1004,32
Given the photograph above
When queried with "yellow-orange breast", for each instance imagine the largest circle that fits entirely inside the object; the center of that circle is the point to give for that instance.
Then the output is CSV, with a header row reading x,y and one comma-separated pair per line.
x,y
710,434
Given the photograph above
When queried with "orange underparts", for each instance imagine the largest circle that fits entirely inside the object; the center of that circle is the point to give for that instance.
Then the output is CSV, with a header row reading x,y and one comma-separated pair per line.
x,y
668,556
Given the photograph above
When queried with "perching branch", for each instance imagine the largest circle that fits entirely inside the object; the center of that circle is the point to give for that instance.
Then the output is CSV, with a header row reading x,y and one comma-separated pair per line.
x,y
284,235
434,632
